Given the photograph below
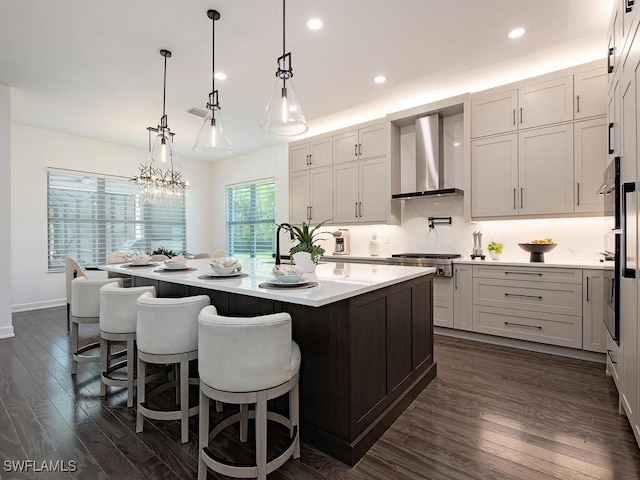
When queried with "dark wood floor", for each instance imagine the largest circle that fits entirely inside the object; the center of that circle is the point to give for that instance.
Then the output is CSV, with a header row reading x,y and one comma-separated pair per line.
x,y
491,413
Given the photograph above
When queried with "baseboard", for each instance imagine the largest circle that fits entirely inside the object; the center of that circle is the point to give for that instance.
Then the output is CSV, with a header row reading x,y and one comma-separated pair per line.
x,y
26,307
523,345
6,332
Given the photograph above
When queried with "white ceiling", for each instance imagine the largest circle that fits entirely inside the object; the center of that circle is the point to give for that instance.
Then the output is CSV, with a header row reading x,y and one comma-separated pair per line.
x,y
93,68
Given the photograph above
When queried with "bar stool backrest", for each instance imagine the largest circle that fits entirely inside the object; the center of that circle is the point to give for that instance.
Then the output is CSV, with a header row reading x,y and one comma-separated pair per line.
x,y
119,308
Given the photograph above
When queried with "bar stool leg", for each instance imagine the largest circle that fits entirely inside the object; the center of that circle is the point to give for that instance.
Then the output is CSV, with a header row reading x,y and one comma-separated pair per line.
x,y
184,397
261,436
142,373
203,434
74,347
131,349
104,364
294,414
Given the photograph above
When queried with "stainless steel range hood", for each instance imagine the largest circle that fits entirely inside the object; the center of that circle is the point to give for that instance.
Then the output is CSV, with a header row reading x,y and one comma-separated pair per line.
x,y
430,165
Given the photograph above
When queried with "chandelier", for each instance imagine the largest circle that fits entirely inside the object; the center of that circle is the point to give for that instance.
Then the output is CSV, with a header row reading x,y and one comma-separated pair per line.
x,y
159,181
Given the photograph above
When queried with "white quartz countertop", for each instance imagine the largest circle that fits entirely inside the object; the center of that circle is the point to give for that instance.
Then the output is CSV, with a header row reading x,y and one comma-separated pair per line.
x,y
591,264
334,284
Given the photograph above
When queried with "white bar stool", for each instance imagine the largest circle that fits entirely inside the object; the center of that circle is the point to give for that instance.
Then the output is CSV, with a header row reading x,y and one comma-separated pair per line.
x,y
85,308
168,334
72,270
247,361
118,321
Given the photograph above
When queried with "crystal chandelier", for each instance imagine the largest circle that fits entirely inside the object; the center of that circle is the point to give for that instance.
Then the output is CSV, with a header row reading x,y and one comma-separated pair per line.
x,y
159,181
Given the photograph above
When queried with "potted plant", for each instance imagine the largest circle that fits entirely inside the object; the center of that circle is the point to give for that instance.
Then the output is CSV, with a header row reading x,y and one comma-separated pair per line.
x,y
495,249
306,237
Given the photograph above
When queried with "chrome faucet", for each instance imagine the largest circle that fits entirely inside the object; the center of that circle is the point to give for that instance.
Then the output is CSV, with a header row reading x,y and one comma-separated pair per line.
x,y
287,226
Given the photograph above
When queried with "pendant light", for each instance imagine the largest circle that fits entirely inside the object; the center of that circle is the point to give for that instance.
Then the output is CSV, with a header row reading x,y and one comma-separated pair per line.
x,y
212,138
159,180
284,116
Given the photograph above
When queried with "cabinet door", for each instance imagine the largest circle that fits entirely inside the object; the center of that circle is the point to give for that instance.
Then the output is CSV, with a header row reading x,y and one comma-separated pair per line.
x,y
299,197
494,176
613,35
320,194
345,147
321,152
545,170
463,297
345,193
591,93
372,141
375,197
494,113
546,102
614,116
629,343
299,157
590,160
443,302
594,332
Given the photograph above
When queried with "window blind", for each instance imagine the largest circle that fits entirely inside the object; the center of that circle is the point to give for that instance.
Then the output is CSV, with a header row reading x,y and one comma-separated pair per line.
x,y
90,216
250,219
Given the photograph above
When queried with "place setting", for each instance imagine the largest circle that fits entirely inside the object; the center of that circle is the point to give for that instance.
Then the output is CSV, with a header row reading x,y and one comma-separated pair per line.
x,y
224,268
140,260
288,277
174,264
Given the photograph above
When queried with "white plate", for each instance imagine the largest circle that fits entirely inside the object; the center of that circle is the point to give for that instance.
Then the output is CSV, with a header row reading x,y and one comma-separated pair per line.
x,y
148,264
232,274
279,283
174,269
172,266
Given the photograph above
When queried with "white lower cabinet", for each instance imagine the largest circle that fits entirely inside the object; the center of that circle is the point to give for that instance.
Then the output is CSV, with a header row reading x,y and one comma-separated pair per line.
x,y
594,331
443,302
463,297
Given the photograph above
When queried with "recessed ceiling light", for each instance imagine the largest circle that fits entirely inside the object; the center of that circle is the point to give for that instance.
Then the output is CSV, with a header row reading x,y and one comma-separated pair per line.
x,y
516,32
315,24
380,79
220,76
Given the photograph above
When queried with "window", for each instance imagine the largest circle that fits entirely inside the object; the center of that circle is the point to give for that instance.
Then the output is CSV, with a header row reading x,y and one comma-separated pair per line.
x,y
90,216
251,219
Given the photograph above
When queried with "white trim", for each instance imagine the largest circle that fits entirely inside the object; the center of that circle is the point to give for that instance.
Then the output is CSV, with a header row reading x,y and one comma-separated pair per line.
x,y
523,345
7,332
26,307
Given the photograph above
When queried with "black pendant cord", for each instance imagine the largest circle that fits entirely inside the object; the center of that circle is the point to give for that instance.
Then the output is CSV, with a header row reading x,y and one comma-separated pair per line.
x,y
213,55
283,28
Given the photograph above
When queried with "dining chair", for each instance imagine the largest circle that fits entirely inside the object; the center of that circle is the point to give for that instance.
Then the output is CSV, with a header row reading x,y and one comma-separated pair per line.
x,y
246,361
119,257
158,257
167,333
72,270
202,255
219,253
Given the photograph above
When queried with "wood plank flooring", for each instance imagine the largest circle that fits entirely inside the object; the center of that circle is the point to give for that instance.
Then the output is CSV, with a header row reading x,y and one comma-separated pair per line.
x,y
491,413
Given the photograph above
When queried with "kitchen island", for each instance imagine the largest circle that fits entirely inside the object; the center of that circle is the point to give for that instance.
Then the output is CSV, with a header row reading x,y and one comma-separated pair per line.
x,y
365,333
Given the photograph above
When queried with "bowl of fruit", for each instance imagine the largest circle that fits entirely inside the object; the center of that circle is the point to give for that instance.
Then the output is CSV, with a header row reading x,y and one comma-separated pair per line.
x,y
537,248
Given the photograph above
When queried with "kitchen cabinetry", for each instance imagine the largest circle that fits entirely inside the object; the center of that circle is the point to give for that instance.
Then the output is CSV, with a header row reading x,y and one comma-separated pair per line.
x,y
494,112
529,173
594,332
443,310
614,112
361,192
614,40
546,102
590,94
361,144
304,155
462,297
590,160
311,195
537,304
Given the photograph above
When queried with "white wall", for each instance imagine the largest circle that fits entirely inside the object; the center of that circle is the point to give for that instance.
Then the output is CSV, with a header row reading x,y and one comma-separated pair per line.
x,y
6,327
33,150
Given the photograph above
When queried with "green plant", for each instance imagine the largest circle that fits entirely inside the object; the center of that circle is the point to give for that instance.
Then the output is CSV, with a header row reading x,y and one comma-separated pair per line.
x,y
306,237
164,251
495,247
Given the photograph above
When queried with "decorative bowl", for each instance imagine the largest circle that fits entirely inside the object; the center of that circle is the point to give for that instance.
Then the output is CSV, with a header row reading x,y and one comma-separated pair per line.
x,y
289,278
223,270
139,260
225,266
537,250
175,265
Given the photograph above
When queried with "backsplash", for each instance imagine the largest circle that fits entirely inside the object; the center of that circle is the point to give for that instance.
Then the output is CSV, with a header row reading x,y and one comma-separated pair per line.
x,y
578,239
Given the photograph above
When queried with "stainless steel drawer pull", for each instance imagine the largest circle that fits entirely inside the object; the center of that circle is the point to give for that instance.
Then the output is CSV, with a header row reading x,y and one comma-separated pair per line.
x,y
611,357
522,295
522,273
523,325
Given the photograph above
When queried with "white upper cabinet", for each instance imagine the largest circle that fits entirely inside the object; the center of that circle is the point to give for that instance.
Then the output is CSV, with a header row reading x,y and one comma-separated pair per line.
x,y
311,195
345,147
591,94
317,152
494,113
590,160
546,102
360,144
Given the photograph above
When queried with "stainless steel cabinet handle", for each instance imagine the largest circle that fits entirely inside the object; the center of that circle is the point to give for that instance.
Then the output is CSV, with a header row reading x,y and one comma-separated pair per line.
x,y
609,138
537,327
587,289
356,209
359,149
522,273
455,278
310,213
522,295
578,200
577,103
310,159
355,149
360,209
609,65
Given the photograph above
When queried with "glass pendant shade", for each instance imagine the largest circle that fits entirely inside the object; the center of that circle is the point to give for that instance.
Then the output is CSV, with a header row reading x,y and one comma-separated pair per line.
x,y
162,151
212,137
284,116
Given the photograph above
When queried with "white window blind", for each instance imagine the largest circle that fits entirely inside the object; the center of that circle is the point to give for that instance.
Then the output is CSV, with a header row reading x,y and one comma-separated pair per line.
x,y
250,213
90,216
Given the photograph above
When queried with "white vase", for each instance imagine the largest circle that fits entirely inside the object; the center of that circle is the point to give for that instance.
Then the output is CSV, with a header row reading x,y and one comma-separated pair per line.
x,y
495,255
303,260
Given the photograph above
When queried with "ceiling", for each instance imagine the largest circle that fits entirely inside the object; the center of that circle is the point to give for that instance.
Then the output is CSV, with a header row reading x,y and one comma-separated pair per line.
x,y
93,68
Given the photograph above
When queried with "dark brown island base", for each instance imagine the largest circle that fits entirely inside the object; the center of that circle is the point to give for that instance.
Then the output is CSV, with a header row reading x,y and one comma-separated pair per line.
x,y
365,357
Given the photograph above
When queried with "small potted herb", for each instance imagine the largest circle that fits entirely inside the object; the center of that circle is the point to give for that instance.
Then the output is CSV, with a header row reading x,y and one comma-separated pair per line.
x,y
495,250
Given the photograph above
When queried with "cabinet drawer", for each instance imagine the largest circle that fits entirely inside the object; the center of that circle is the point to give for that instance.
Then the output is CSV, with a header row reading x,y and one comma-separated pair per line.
x,y
563,330
531,274
442,313
443,288
560,298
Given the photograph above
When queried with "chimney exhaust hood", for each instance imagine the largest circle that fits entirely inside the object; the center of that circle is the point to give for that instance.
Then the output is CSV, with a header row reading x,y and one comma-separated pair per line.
x,y
430,167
